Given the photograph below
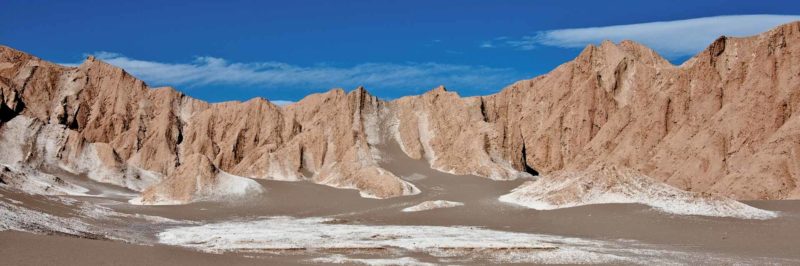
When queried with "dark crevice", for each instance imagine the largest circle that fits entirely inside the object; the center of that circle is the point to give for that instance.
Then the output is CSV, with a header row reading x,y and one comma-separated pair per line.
x,y
528,168
324,154
62,119
178,141
483,111
74,123
718,46
6,113
716,49
303,168
141,132
3,181
179,138
301,157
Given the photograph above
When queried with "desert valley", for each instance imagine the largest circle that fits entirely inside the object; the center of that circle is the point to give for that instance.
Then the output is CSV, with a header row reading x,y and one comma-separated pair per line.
x,y
615,157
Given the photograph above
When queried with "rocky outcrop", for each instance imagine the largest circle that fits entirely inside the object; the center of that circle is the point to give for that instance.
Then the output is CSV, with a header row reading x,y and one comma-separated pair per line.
x,y
452,134
195,180
725,123
97,120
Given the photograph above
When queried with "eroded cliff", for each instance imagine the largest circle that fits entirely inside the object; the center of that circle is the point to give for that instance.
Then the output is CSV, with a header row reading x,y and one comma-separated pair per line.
x,y
725,122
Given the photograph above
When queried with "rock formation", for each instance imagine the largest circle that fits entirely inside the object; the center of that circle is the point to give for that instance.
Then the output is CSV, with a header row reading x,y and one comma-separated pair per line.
x,y
96,119
725,123
198,179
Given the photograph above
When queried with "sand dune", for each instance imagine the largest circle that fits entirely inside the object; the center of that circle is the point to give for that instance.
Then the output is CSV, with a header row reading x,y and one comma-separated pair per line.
x,y
608,184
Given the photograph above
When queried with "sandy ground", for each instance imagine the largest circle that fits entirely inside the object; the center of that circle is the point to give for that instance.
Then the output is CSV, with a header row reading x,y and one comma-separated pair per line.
x,y
18,248
754,239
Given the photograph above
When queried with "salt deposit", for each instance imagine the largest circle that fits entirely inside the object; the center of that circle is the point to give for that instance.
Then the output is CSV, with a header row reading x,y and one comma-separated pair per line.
x,y
341,259
433,204
600,185
447,243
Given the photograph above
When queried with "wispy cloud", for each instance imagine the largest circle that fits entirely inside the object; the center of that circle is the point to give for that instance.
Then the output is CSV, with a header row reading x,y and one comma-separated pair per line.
x,y
402,77
493,42
670,38
282,102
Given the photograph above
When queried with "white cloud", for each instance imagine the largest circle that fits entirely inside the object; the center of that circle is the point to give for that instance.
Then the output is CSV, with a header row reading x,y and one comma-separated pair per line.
x,y
669,38
411,77
281,102
492,43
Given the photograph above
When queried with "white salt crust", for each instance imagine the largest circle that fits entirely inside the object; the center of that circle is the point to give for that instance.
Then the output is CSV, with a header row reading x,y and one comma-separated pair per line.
x,y
453,244
634,189
433,204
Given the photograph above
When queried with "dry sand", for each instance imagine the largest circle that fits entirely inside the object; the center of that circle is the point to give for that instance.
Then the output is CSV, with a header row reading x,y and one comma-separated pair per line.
x,y
19,248
768,240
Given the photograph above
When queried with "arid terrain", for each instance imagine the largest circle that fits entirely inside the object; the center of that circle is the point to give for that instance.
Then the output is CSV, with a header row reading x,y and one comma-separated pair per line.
x,y
615,157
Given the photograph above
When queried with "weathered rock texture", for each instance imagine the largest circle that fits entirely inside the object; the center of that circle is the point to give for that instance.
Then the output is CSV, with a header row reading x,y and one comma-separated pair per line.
x,y
198,179
725,122
96,119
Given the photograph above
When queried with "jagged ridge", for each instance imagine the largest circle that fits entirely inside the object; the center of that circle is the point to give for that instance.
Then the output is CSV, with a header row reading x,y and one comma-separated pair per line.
x,y
723,122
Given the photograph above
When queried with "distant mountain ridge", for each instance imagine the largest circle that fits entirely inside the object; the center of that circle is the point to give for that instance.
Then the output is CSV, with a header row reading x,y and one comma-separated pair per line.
x,y
725,122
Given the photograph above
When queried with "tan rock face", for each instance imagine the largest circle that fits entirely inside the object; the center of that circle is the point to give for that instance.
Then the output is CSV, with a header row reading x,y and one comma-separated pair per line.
x,y
452,134
182,185
109,125
198,179
725,122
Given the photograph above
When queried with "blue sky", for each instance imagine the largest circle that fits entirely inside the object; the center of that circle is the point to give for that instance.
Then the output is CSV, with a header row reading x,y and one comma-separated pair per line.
x,y
283,50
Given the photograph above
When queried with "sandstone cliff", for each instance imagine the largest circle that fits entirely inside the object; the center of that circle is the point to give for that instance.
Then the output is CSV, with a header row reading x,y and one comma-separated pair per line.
x,y
96,119
725,122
